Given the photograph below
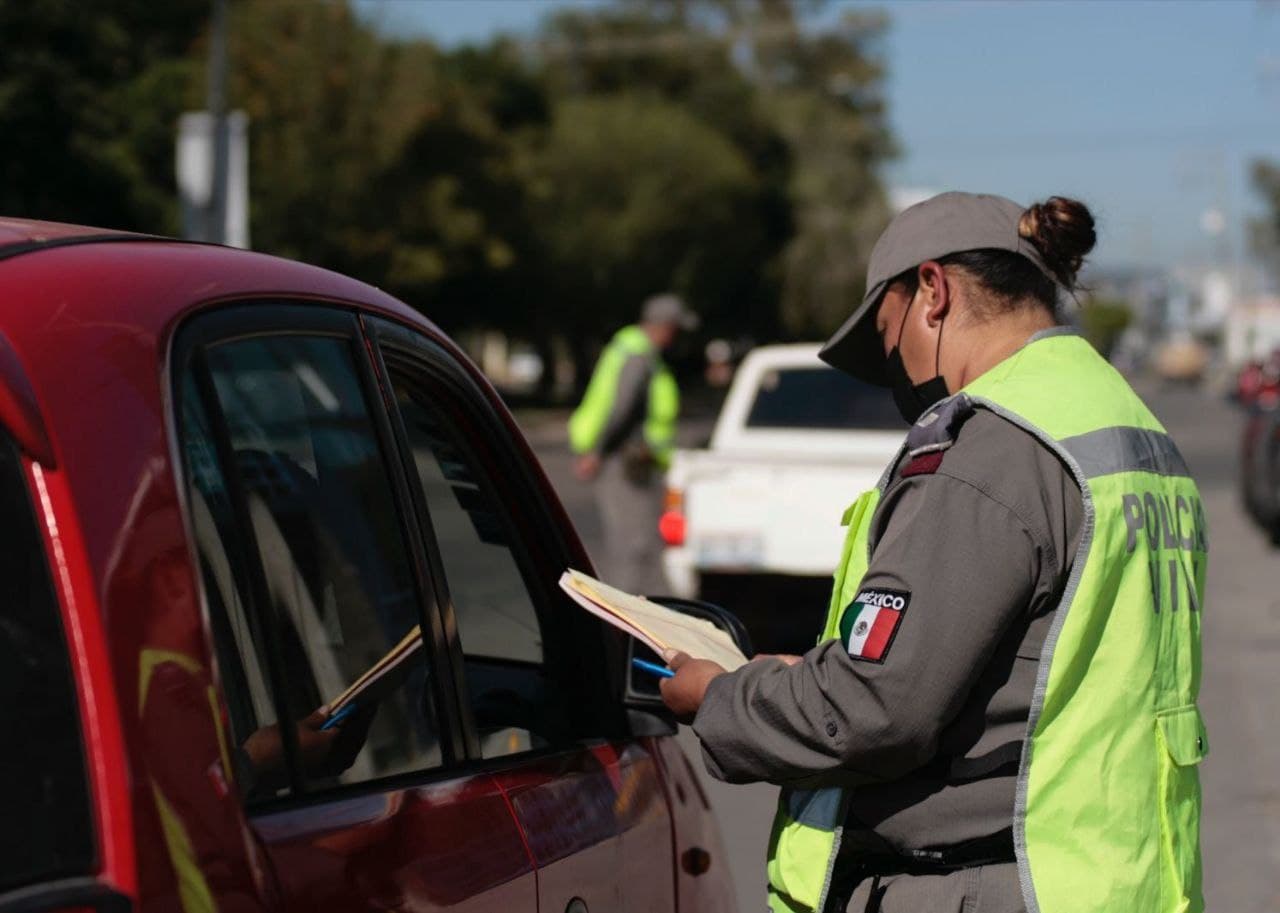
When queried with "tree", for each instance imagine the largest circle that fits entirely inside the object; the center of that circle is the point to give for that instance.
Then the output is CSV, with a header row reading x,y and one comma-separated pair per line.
x,y
635,195
466,246
822,89
1265,231
89,95
1103,321
674,54
329,106
389,160
803,105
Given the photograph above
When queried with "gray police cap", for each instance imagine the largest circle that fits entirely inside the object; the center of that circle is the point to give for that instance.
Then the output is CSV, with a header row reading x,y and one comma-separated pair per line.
x,y
946,224
669,308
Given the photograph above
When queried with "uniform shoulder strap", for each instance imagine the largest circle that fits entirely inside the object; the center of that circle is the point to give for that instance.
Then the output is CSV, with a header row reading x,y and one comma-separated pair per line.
x,y
934,433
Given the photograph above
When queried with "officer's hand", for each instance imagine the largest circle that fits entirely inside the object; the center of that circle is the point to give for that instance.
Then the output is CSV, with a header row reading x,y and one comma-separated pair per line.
x,y
331,758
586,467
683,694
265,748
322,752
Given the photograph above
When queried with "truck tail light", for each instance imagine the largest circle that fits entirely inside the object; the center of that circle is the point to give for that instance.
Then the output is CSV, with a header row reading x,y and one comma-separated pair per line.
x,y
671,524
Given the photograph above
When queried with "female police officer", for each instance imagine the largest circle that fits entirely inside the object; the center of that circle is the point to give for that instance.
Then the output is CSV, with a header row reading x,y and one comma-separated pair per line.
x,y
1000,714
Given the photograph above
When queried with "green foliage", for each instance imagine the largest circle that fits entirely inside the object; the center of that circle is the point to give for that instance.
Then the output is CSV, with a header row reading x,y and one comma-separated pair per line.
x,y
635,194
1264,234
320,92
1102,320
822,89
89,94
803,107
544,188
388,161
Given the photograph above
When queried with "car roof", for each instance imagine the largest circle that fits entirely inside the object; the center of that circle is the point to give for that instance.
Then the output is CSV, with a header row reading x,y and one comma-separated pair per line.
x,y
28,233
73,297
244,273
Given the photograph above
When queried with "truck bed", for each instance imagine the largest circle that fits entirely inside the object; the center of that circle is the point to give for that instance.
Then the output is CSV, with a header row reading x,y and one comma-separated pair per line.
x,y
771,511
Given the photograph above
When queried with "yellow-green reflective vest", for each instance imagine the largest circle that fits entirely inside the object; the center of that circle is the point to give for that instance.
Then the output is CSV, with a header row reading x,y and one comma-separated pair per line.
x,y
590,418
1107,813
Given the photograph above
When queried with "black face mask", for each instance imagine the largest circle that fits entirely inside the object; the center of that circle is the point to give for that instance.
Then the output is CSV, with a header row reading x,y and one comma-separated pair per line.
x,y
913,399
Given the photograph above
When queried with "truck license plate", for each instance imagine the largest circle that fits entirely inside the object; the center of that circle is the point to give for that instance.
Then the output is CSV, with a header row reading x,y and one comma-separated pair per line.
x,y
731,550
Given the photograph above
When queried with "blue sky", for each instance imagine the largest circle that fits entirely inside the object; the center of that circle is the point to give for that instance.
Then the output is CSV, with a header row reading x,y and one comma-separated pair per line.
x,y
1149,111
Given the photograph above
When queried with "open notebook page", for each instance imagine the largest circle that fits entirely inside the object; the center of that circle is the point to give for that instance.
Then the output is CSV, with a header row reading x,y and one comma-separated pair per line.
x,y
379,671
656,626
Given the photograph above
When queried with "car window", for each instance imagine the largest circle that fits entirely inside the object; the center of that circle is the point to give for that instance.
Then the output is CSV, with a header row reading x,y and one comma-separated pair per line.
x,y
224,572
516,705
820,399
46,825
329,542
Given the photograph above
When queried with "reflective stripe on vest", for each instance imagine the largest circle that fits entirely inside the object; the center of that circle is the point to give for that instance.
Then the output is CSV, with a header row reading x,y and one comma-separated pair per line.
x,y
1108,799
590,418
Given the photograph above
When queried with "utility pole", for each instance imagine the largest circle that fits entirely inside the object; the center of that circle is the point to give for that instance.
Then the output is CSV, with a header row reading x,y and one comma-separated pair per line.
x,y
215,220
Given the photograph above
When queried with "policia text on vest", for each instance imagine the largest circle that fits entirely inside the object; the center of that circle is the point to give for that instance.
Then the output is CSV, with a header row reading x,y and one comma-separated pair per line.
x,y
1169,528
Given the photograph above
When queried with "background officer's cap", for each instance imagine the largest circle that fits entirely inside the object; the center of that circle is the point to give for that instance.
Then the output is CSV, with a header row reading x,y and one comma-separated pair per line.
x,y
669,308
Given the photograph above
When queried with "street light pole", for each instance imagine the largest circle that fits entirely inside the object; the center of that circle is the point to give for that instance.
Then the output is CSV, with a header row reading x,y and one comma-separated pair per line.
x,y
216,211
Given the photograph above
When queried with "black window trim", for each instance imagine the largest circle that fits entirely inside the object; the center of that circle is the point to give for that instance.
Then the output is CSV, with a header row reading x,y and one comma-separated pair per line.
x,y
258,603
243,320
591,643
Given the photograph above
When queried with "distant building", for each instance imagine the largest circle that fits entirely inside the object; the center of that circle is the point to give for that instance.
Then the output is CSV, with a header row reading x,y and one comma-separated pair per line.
x,y
1252,330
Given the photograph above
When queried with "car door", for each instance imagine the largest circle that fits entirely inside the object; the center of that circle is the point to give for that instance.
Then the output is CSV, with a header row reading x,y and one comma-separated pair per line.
x,y
539,708
313,567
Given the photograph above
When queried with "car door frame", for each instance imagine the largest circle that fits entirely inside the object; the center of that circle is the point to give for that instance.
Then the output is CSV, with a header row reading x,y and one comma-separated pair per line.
x,y
267,317
541,539
612,766
537,538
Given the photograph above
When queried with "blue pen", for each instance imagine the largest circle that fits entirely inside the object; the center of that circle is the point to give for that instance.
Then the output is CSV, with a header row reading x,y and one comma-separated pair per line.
x,y
660,671
339,716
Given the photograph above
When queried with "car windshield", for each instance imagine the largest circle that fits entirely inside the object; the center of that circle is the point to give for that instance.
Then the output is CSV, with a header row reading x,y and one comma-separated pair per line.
x,y
823,399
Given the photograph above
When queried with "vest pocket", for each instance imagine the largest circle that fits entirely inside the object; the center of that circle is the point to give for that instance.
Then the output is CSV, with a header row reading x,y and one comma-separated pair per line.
x,y
1182,744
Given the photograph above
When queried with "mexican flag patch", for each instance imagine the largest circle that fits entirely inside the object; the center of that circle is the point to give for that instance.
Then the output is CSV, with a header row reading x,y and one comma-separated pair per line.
x,y
869,623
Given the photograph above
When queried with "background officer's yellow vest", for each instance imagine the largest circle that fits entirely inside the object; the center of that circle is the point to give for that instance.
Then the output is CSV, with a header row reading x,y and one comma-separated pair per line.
x,y
588,421
1107,815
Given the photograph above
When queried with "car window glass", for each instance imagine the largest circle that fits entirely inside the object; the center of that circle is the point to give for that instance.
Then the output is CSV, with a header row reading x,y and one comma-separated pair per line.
x,y
515,704
330,544
45,823
224,573
821,399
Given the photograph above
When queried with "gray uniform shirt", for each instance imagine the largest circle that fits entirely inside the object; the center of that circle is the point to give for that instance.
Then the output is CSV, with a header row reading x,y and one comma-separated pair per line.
x,y
928,738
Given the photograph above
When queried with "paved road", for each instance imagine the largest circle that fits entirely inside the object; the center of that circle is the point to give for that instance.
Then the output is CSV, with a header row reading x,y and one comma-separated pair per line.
x,y
1240,693
1241,685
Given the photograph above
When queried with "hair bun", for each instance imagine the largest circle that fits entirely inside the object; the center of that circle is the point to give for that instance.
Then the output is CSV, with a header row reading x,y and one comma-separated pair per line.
x,y
1062,230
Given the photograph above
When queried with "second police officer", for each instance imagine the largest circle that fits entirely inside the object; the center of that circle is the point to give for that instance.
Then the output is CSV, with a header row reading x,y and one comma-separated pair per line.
x,y
1000,714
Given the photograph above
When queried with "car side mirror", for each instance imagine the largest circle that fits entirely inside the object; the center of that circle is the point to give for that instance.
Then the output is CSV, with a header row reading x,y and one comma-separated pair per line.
x,y
642,692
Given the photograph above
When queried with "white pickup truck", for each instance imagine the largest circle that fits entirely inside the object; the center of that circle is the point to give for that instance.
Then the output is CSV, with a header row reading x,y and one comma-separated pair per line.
x,y
753,521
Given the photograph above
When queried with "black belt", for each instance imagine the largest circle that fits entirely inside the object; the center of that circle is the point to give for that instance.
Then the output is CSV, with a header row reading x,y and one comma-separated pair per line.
x,y
996,849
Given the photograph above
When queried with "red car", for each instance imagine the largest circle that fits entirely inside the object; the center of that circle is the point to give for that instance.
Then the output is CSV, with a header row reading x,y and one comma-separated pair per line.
x,y
231,483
